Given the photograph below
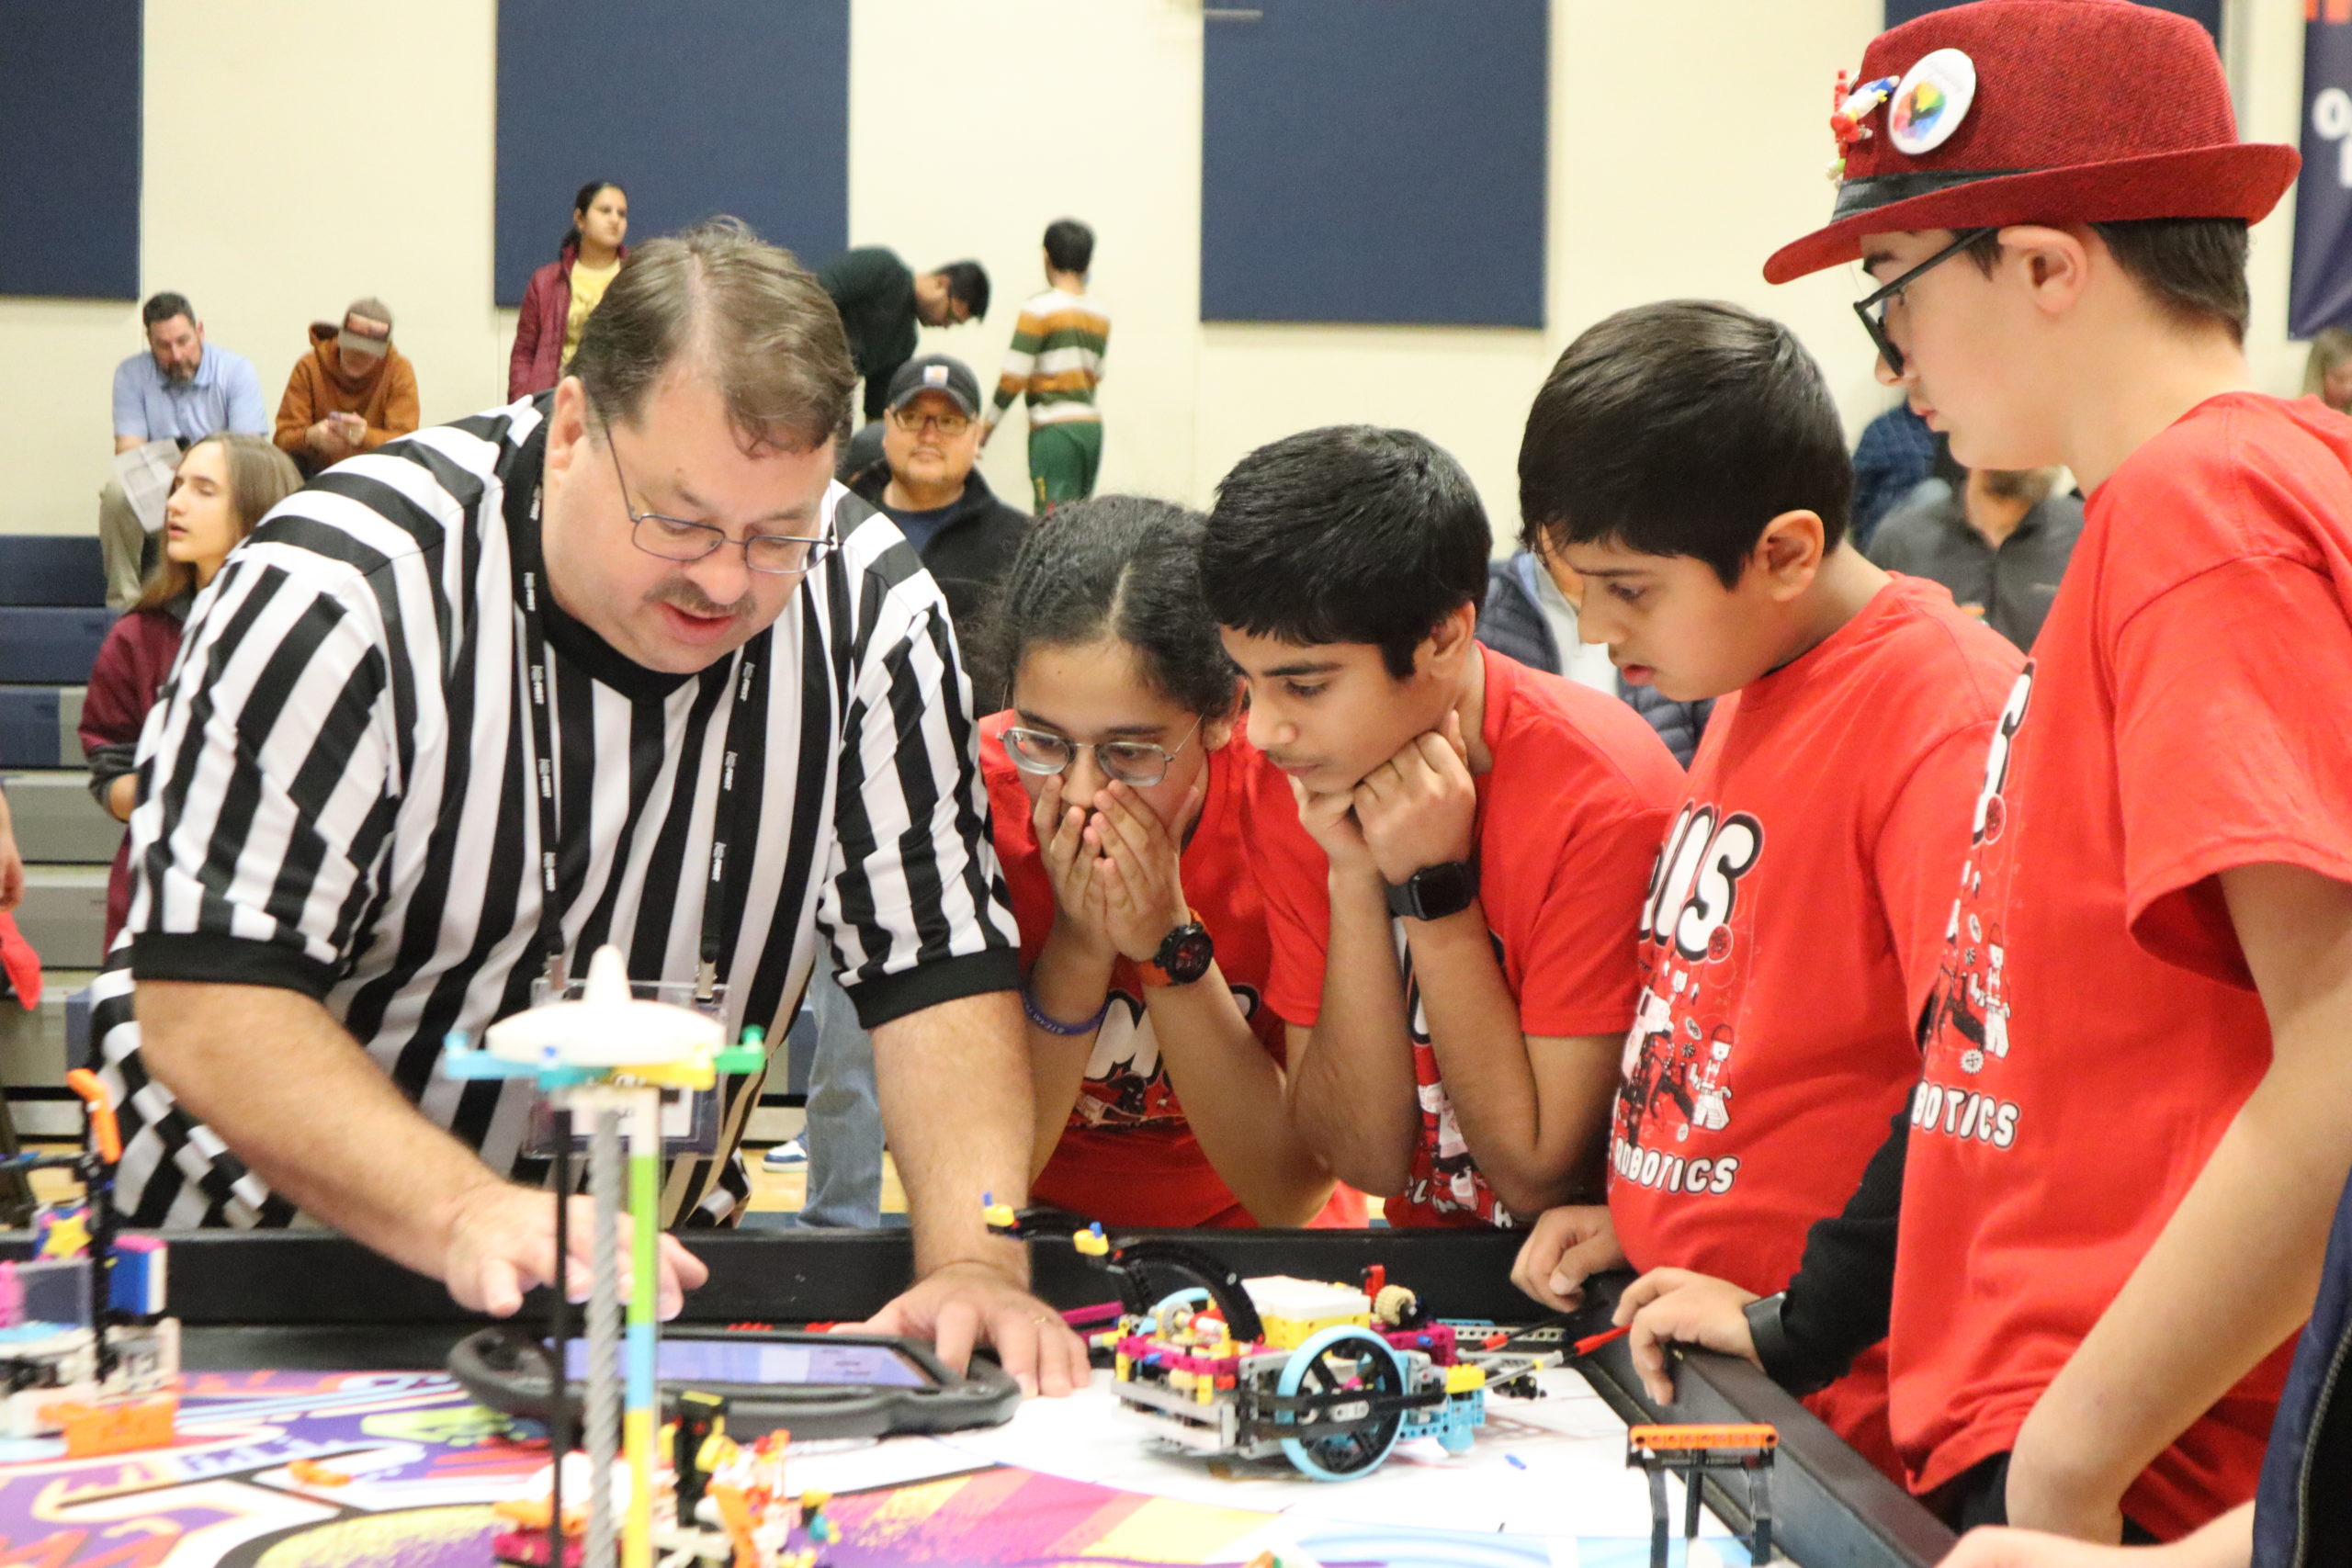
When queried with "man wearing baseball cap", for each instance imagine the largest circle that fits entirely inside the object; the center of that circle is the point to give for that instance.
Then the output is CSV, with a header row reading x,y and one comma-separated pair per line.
x,y
2132,1126
931,441
926,484
351,393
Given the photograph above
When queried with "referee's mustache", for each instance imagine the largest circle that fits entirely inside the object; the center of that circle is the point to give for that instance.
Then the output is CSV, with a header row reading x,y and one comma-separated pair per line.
x,y
682,591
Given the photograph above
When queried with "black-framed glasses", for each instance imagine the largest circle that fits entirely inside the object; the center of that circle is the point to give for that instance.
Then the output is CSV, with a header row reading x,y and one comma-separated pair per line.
x,y
1873,310
950,426
677,538
1138,764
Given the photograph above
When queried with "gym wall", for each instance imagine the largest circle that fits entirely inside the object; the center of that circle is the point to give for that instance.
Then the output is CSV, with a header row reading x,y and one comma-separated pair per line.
x,y
294,159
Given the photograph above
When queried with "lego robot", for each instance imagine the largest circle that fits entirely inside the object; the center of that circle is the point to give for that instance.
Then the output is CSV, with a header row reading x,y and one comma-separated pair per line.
x,y
85,1350
1331,1377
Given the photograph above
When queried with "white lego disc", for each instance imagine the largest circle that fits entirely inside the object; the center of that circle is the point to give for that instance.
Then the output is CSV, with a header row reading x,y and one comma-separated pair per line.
x,y
607,1027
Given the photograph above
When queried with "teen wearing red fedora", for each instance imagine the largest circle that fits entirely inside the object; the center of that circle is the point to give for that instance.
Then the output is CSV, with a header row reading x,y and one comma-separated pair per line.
x,y
2133,1123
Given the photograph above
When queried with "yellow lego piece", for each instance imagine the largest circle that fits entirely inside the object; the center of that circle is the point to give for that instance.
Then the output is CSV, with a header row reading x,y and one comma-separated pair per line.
x,y
1206,1390
1094,1244
1464,1378
684,1073
998,1216
1289,1334
69,1238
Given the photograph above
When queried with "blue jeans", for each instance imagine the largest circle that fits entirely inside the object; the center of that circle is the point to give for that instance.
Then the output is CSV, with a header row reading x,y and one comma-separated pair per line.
x,y
845,1135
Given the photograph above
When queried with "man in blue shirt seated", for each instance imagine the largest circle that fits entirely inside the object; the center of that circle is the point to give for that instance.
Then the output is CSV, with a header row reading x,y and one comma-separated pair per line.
x,y
179,390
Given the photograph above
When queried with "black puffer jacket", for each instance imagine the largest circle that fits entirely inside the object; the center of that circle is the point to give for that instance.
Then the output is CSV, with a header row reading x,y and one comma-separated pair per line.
x,y
1512,623
967,557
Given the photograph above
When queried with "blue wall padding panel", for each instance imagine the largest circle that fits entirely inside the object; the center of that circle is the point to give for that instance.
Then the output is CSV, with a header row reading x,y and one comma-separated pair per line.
x,y
51,569
1376,161
29,732
68,148
694,109
50,646
2209,12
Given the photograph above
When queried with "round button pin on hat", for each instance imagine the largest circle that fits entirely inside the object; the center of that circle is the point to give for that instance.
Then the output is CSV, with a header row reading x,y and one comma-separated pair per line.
x,y
2041,111
1930,101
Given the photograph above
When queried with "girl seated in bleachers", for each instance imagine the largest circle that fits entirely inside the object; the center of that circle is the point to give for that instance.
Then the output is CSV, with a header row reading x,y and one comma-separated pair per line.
x,y
222,487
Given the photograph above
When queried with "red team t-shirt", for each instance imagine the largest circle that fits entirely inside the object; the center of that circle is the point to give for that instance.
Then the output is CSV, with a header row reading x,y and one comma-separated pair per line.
x,y
1568,823
1128,1157
2096,1029
1793,931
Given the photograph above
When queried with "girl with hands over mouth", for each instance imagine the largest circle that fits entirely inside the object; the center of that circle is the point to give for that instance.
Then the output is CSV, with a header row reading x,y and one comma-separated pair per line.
x,y
1115,786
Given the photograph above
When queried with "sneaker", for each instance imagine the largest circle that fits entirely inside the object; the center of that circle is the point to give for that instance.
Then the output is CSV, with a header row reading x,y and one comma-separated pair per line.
x,y
789,1155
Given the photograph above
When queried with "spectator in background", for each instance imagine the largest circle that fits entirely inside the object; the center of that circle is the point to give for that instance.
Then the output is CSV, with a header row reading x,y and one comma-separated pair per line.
x,y
882,301
352,392
224,485
181,390
1897,450
1999,539
1528,618
2328,375
1055,364
565,293
966,537
930,487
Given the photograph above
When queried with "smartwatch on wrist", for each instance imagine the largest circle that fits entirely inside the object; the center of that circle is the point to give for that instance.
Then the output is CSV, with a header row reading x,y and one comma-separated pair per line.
x,y
1769,1334
1435,891
1184,955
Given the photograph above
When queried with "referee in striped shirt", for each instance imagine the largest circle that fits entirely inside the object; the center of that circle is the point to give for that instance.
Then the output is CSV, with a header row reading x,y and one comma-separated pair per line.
x,y
740,691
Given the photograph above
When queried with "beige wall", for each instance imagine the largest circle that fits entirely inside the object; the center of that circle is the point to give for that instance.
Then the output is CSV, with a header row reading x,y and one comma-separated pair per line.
x,y
1687,141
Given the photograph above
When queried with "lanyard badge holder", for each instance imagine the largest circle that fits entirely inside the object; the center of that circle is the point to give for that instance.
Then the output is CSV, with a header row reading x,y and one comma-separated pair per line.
x,y
689,1118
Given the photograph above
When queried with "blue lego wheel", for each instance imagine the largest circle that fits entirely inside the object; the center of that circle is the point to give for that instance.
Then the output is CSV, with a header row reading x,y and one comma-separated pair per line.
x,y
1330,1367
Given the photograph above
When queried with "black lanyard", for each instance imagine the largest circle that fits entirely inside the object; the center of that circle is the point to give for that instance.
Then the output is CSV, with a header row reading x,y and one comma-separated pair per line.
x,y
725,817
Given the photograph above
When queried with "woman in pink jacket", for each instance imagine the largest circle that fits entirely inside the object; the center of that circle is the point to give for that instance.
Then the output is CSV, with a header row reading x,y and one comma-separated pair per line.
x,y
566,291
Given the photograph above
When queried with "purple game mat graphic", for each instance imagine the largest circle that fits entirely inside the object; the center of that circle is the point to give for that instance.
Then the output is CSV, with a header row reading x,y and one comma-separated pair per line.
x,y
423,1459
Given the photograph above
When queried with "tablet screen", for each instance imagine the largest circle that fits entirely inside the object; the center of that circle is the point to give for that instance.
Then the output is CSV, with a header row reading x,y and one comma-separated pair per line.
x,y
775,1363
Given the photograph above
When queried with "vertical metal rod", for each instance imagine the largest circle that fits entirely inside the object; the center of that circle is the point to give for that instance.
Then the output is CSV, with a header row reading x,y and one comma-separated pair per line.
x,y
560,1432
604,1335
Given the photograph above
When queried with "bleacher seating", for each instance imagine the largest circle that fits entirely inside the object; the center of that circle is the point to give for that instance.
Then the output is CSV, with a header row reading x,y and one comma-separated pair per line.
x,y
52,618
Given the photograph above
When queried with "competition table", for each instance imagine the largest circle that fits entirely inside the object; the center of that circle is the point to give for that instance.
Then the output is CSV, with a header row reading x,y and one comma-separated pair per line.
x,y
291,1302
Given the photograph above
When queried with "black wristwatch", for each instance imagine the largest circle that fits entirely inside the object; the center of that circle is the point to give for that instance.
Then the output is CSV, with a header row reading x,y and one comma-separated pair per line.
x,y
1184,955
1435,891
1769,1335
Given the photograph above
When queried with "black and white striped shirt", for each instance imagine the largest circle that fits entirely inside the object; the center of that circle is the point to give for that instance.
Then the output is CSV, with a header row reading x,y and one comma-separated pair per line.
x,y
336,799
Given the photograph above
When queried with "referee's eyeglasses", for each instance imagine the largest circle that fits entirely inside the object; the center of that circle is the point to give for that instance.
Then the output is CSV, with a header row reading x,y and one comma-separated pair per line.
x,y
1873,310
675,538
1138,764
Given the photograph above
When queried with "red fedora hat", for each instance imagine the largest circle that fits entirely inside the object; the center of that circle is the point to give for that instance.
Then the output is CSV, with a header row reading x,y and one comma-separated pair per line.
x,y
2037,111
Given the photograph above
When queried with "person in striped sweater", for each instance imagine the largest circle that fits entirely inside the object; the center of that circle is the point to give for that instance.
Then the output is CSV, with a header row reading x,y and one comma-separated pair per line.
x,y
1055,364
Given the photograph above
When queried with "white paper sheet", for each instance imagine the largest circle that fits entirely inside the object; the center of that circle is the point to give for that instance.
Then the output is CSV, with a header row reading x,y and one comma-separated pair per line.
x,y
1569,1479
145,474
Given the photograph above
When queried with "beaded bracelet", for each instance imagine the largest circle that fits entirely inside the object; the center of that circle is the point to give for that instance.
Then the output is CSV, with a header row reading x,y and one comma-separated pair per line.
x,y
1067,1031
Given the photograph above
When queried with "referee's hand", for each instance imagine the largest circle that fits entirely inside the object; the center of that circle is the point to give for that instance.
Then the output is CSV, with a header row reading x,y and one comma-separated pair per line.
x,y
502,1243
962,1304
